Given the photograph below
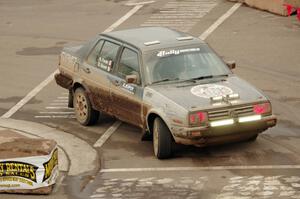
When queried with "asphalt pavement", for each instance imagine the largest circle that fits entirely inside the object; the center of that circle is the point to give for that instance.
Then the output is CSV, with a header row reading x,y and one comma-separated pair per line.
x,y
265,46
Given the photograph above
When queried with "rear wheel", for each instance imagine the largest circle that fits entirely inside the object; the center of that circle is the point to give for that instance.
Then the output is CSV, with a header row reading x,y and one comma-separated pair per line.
x,y
70,99
162,139
85,114
253,138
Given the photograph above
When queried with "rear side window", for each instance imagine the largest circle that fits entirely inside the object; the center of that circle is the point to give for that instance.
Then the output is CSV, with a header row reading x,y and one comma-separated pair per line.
x,y
129,63
108,55
92,58
104,55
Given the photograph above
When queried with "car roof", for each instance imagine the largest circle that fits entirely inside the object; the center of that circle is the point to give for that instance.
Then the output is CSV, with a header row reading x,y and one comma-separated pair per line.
x,y
151,38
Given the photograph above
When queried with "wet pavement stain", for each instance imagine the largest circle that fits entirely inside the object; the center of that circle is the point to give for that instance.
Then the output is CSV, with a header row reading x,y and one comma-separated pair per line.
x,y
33,51
10,99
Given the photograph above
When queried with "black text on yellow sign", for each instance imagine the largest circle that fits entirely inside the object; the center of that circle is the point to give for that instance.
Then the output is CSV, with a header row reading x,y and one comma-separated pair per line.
x,y
19,169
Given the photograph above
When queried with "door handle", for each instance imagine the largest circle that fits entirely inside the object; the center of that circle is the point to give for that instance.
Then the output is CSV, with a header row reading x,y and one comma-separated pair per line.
x,y
87,70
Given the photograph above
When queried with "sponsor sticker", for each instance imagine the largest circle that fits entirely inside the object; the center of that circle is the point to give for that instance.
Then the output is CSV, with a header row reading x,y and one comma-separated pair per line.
x,y
165,53
211,90
29,172
18,169
50,165
129,88
104,64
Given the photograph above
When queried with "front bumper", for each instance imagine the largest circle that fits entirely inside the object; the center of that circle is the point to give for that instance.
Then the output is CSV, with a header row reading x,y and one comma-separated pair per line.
x,y
207,135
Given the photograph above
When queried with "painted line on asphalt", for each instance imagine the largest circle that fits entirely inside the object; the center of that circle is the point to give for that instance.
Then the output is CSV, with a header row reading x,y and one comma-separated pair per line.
x,y
212,168
57,112
44,83
29,96
59,107
107,134
139,3
55,116
124,18
59,104
60,100
217,23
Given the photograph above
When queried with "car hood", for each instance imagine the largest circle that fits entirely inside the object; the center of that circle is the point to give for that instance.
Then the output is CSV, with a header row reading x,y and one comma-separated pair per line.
x,y
193,96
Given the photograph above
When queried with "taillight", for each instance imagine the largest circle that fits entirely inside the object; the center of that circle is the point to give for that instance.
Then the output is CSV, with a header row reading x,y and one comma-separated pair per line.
x,y
262,108
198,118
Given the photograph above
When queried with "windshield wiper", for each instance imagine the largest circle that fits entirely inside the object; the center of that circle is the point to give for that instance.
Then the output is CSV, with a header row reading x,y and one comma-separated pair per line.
x,y
208,77
165,80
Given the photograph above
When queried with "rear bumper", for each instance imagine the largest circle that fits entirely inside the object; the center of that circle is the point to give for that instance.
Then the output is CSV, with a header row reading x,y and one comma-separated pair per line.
x,y
63,80
203,136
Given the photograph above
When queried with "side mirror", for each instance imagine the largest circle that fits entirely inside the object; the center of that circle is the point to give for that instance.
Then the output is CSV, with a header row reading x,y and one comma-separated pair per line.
x,y
231,64
131,79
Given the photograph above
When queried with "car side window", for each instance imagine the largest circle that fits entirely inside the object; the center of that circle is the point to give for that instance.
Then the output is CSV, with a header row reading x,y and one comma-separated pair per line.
x,y
103,55
92,58
107,57
129,63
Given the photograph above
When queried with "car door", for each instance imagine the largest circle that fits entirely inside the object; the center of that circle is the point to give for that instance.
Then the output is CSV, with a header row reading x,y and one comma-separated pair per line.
x,y
96,71
126,97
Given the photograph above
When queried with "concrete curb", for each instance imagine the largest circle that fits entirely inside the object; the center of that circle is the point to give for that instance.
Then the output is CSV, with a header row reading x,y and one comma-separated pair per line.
x,y
76,155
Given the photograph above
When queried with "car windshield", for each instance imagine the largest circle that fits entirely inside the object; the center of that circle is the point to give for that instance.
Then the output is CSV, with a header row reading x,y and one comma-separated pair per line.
x,y
184,63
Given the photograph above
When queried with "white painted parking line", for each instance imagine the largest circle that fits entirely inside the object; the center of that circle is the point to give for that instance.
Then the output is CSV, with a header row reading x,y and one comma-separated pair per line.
x,y
132,3
58,107
58,104
107,134
124,18
29,96
260,187
44,83
55,116
180,15
51,112
60,100
151,187
241,167
215,25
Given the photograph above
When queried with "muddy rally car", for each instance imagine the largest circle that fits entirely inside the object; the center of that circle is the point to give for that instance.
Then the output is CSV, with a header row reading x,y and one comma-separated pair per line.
x,y
168,83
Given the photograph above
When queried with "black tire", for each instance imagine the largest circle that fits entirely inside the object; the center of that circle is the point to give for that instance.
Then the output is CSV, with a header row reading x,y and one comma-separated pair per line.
x,y
253,138
162,139
70,99
84,112
147,136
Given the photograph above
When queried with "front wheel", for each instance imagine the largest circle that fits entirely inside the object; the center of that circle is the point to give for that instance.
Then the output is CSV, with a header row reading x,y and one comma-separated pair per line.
x,y
162,139
253,138
85,114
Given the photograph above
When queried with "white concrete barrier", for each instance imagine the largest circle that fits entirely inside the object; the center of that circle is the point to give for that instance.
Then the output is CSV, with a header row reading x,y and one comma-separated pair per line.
x,y
27,165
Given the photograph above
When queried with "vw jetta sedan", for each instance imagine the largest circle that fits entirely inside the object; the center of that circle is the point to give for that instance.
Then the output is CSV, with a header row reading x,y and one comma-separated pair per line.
x,y
170,84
